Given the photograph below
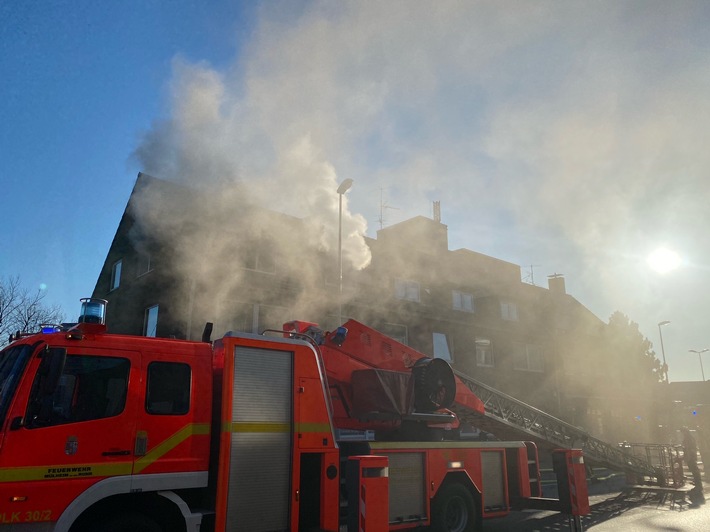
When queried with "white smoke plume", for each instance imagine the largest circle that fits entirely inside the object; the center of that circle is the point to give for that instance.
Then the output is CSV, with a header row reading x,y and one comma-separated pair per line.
x,y
567,133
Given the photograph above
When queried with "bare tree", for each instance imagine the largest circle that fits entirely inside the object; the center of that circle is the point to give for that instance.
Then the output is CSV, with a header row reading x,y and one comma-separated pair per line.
x,y
22,310
9,290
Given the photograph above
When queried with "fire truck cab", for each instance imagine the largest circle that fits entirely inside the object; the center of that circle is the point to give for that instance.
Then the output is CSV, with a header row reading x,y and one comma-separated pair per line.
x,y
87,424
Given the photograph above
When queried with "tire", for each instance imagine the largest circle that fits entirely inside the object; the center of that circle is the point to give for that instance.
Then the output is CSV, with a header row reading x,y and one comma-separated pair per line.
x,y
129,522
454,510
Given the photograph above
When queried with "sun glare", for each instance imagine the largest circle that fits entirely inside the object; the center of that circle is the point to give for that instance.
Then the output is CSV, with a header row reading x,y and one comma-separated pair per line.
x,y
663,260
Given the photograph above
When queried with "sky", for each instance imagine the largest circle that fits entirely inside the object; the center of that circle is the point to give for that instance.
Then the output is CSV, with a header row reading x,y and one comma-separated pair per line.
x,y
567,137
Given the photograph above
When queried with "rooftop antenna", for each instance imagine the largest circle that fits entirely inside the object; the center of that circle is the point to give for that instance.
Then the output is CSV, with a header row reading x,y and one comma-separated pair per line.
x,y
383,207
531,277
437,211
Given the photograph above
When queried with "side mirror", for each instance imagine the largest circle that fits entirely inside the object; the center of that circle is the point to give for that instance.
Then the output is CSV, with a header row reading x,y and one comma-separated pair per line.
x,y
17,423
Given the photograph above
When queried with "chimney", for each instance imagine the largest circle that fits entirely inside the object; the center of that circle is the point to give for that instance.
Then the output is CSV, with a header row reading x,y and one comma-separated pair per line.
x,y
556,283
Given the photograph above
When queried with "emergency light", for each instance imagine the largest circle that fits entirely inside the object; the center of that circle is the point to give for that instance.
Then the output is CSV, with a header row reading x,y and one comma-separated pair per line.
x,y
340,334
93,310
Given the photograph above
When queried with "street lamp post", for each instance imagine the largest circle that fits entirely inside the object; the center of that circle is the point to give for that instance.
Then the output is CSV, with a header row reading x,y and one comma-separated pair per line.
x,y
663,351
342,189
700,359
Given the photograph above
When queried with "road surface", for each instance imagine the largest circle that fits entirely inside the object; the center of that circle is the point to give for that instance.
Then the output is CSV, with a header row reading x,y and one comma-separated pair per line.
x,y
625,511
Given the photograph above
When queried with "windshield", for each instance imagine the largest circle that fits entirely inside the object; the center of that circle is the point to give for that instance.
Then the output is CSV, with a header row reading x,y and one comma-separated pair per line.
x,y
12,363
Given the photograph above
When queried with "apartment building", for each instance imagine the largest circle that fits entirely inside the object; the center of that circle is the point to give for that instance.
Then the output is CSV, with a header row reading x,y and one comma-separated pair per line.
x,y
177,261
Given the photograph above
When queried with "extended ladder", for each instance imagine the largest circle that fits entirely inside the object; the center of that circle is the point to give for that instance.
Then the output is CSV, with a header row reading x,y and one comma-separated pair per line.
x,y
508,418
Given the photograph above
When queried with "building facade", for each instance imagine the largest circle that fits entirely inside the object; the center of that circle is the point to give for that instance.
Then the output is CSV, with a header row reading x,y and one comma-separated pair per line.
x,y
166,275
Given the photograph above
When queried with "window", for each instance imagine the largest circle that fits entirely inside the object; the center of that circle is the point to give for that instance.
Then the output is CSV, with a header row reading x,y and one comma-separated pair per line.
x,y
259,256
145,263
168,388
150,326
407,290
509,311
462,301
395,331
484,353
90,387
12,365
116,274
528,357
441,347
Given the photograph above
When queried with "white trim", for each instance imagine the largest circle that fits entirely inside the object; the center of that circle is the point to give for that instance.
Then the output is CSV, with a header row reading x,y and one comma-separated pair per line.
x,y
192,520
127,484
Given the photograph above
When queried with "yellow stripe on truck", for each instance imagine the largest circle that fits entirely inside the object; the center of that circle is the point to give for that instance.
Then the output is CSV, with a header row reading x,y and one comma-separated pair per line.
x,y
23,474
313,427
63,471
258,427
264,427
167,445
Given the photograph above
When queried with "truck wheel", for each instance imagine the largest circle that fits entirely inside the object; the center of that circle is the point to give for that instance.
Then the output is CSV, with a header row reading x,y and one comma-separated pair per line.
x,y
454,510
130,522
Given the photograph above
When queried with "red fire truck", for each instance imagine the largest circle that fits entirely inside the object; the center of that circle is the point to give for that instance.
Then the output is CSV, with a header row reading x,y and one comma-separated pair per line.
x,y
305,430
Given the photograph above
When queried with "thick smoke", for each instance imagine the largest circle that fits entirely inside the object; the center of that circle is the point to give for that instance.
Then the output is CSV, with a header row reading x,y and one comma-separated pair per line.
x,y
569,135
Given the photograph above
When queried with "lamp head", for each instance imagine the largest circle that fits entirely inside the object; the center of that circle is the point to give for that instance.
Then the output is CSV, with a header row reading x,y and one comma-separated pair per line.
x,y
345,185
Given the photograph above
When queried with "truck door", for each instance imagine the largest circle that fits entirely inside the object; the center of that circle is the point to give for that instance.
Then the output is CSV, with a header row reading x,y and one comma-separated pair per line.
x,y
53,450
173,419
